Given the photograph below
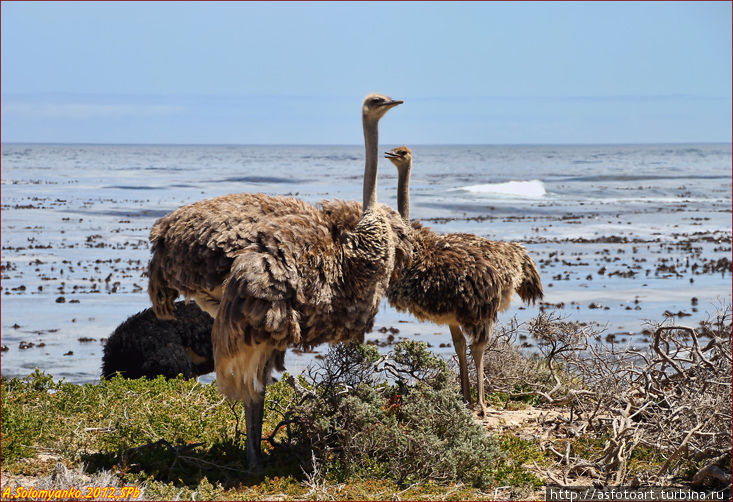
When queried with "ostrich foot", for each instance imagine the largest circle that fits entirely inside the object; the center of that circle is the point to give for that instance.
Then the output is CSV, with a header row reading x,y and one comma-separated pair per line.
x,y
481,410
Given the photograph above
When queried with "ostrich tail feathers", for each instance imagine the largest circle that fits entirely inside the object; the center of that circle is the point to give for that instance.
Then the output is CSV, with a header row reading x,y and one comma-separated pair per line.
x,y
530,289
161,295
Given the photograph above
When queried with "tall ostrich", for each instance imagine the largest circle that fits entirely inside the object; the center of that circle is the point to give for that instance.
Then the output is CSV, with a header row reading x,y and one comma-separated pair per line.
x,y
300,282
145,346
461,280
194,246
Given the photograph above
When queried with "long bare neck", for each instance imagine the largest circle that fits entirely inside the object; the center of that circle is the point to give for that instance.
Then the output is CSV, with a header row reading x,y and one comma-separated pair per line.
x,y
403,192
371,146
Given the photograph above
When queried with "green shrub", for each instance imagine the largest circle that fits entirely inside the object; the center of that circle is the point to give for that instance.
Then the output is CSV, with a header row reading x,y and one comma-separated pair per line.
x,y
392,417
372,422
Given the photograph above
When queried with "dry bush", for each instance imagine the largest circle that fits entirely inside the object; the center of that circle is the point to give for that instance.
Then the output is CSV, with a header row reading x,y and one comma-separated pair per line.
x,y
64,479
546,376
673,397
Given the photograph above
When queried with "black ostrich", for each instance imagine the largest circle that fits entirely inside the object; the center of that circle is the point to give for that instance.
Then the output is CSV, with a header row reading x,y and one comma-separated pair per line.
x,y
145,346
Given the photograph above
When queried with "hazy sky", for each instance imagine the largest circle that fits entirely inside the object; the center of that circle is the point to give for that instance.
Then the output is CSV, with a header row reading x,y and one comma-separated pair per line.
x,y
263,73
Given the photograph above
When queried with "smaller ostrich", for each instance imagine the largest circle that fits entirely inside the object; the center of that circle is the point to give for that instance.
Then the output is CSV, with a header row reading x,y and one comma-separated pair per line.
x,y
145,346
461,280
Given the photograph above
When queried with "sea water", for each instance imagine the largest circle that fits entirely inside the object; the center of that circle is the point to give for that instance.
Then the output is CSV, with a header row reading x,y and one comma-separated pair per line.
x,y
622,234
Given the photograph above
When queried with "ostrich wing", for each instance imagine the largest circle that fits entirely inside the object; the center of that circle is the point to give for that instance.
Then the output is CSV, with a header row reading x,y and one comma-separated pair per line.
x,y
290,262
194,245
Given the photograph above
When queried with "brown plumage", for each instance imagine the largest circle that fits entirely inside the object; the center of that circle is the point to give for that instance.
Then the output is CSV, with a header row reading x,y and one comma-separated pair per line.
x,y
300,285
461,280
293,265
194,246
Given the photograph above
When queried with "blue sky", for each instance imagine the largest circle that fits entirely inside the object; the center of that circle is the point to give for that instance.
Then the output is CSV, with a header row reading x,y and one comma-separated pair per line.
x,y
270,72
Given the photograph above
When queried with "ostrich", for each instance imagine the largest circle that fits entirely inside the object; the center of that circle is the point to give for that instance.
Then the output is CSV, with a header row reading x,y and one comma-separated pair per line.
x,y
461,280
300,282
144,346
194,246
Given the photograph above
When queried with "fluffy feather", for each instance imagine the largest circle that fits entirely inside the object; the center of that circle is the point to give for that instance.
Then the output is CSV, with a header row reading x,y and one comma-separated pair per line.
x,y
145,346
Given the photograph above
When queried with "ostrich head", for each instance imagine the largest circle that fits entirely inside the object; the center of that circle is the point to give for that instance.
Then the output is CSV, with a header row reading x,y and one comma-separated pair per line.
x,y
373,108
376,105
401,157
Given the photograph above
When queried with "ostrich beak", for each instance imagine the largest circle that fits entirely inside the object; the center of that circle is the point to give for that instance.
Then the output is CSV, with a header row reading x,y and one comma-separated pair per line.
x,y
391,103
390,155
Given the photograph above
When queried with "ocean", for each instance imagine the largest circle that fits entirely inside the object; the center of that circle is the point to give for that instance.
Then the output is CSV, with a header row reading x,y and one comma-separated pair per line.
x,y
622,234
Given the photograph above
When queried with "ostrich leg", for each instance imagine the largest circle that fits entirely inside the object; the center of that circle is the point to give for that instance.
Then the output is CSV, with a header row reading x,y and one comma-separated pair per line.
x,y
253,414
477,351
459,343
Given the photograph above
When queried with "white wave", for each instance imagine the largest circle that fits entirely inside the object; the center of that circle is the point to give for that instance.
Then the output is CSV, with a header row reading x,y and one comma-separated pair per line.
x,y
529,189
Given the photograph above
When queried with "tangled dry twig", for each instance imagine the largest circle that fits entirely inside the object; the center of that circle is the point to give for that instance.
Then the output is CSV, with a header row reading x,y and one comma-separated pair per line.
x,y
673,398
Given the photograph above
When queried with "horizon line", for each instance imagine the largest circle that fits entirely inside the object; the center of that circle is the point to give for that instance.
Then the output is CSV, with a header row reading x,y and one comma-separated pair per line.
x,y
92,143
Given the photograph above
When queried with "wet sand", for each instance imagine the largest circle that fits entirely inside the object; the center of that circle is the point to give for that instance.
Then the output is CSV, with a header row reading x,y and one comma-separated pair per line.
x,y
65,291
75,249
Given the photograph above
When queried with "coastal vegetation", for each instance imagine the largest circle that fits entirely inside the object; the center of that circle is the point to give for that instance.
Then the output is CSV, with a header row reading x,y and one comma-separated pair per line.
x,y
360,425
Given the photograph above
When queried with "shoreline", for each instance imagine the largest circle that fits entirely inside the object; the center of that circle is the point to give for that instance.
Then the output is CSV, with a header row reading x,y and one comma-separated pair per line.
x,y
607,282
76,221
